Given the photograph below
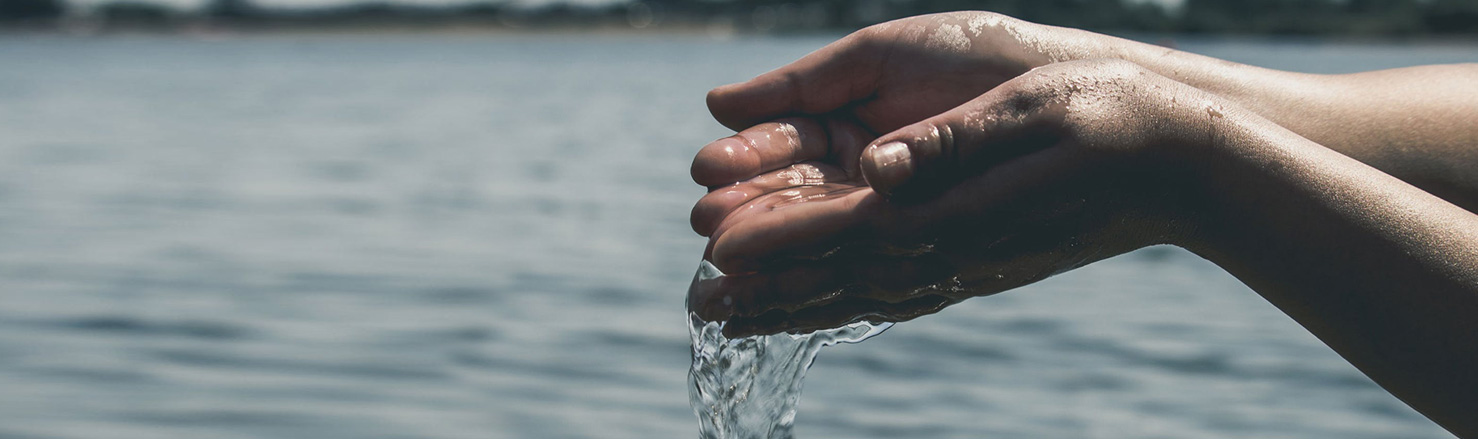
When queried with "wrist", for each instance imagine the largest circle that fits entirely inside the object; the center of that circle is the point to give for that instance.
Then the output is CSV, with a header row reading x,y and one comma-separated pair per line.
x,y
1238,165
1273,94
1210,148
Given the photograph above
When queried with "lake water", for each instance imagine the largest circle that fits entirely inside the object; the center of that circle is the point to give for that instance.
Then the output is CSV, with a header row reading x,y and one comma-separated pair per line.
x,y
486,237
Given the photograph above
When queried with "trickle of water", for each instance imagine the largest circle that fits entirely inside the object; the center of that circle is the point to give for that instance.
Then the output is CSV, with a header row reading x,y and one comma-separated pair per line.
x,y
747,388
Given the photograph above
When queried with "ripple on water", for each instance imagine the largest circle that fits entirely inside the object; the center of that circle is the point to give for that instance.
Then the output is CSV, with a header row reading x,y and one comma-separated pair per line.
x,y
136,326
221,358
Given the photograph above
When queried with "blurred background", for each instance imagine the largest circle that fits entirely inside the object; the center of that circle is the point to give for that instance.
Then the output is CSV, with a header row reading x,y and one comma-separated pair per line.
x,y
444,219
1281,17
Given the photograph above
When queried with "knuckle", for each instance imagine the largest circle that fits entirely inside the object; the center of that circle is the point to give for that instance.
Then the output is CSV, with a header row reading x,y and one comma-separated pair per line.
x,y
944,133
708,212
926,141
700,219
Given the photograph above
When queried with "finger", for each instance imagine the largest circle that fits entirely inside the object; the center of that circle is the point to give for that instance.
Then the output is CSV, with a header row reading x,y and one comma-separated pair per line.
x,y
848,138
1011,211
744,241
1020,247
757,149
719,203
827,79
835,315
1028,234
924,159
844,312
798,285
766,204
752,294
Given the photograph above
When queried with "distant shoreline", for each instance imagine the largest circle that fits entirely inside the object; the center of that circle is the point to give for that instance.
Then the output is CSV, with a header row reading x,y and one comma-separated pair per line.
x,y
1391,20
382,29
700,30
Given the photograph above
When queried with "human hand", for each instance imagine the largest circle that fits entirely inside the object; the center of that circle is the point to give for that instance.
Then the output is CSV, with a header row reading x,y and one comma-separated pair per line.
x,y
900,72
1062,166
1077,162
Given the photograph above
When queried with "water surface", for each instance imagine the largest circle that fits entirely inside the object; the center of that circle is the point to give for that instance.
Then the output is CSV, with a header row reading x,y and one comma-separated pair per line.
x,y
486,237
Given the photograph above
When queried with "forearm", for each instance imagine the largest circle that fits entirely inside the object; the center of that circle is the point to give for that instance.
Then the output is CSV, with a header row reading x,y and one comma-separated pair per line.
x,y
1419,124
1383,272
1416,123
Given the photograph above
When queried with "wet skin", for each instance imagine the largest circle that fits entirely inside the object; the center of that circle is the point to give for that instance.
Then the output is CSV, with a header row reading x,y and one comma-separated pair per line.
x,y
898,171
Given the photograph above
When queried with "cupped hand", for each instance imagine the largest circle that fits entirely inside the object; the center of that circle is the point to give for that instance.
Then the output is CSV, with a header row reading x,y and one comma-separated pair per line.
x,y
1062,166
900,72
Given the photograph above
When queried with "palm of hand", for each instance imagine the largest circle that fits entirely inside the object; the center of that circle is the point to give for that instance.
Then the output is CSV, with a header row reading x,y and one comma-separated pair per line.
x,y
766,231
810,245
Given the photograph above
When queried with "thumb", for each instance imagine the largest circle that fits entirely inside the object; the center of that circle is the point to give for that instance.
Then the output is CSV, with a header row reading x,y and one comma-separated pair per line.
x,y
825,80
919,161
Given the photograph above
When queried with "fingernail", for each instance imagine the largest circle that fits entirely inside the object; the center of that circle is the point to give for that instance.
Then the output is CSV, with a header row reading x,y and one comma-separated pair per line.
x,y
892,164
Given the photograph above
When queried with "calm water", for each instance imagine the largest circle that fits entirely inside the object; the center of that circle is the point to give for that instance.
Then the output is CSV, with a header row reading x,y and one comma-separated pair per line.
x,y
486,237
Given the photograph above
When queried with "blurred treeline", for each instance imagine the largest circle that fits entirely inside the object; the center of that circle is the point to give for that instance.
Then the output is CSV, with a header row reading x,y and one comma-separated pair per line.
x,y
1281,17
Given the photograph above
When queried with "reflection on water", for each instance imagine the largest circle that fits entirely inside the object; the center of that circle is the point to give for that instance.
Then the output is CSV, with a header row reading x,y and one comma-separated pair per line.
x,y
486,237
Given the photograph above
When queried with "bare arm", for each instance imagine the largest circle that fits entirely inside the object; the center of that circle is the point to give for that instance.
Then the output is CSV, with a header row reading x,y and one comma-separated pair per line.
x,y
1415,123
1383,272
1338,198
1081,161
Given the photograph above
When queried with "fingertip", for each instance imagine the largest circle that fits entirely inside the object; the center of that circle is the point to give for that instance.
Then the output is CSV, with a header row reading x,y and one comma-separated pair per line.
x,y
721,253
734,248
701,220
716,95
887,166
721,105
708,253
740,105
710,211
724,161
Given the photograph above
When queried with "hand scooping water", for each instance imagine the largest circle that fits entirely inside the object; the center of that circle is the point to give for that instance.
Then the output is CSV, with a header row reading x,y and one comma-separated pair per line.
x,y
748,388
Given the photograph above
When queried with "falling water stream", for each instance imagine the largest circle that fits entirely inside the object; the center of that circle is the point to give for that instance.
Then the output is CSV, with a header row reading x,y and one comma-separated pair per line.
x,y
748,388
